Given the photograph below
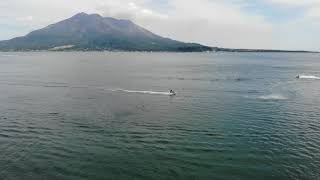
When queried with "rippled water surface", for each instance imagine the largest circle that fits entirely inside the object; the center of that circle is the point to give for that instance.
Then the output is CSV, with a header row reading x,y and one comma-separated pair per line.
x,y
101,116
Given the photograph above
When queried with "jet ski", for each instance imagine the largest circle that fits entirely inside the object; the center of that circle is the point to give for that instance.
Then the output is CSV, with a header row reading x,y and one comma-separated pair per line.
x,y
172,93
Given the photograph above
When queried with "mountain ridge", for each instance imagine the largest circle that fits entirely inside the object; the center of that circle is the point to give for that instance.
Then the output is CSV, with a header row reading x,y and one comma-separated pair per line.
x,y
94,32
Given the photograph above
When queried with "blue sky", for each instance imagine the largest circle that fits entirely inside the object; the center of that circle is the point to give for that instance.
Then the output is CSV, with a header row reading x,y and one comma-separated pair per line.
x,y
271,24
275,13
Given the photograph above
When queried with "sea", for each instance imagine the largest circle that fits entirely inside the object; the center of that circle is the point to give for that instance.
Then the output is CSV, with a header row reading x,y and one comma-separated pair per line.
x,y
109,115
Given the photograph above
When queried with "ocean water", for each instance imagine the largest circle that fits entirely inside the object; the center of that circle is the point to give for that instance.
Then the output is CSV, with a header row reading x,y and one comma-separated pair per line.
x,y
100,115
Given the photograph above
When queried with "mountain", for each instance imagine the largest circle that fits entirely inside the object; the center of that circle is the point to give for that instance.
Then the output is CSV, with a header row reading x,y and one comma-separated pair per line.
x,y
94,32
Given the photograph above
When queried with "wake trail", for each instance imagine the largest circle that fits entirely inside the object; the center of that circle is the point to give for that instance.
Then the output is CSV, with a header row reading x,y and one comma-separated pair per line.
x,y
273,97
308,77
140,92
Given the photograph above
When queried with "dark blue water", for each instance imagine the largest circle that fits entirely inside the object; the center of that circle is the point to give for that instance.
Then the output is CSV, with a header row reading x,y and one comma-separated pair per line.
x,y
101,115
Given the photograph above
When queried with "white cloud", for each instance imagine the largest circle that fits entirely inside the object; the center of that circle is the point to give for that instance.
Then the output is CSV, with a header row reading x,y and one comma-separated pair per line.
x,y
209,22
128,10
25,18
314,13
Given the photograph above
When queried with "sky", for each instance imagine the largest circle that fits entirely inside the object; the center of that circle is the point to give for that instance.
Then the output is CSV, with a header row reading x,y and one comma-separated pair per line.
x,y
266,24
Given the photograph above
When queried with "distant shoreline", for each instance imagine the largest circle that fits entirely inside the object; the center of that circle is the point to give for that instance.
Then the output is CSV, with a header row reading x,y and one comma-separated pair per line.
x,y
264,50
213,50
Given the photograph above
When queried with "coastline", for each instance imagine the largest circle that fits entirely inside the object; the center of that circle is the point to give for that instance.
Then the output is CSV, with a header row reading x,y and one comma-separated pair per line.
x,y
214,50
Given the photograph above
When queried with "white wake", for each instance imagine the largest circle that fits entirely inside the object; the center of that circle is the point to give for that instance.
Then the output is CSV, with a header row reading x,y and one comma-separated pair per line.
x,y
273,97
141,92
308,77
